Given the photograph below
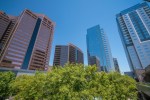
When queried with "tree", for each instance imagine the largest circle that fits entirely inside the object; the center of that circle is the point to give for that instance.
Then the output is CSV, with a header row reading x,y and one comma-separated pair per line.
x,y
5,79
74,82
29,87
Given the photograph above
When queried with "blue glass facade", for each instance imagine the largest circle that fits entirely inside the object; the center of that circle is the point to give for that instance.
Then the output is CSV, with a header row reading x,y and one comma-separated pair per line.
x,y
97,45
139,26
31,45
134,28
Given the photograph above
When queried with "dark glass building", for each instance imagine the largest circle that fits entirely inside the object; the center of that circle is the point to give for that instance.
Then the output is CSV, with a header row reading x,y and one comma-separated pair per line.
x,y
95,61
116,65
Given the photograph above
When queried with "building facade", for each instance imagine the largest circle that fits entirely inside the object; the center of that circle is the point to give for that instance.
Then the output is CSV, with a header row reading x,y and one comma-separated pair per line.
x,y
134,28
5,21
67,54
98,45
29,45
130,73
61,55
116,65
95,61
6,26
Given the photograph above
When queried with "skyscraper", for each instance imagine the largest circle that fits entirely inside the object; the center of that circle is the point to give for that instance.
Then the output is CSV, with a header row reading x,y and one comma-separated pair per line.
x,y
6,25
98,45
134,28
61,55
29,43
116,65
95,61
67,53
5,21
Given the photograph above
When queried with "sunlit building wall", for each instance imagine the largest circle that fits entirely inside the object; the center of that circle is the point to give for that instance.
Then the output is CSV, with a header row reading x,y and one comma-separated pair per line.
x,y
98,45
30,42
67,54
134,28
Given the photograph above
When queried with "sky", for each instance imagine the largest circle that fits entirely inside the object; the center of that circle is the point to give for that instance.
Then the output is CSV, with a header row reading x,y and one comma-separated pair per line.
x,y
74,17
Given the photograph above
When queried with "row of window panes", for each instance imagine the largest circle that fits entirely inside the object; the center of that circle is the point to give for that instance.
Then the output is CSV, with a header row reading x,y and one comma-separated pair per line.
x,y
18,44
19,48
23,34
22,42
41,47
15,50
15,54
13,58
22,38
16,63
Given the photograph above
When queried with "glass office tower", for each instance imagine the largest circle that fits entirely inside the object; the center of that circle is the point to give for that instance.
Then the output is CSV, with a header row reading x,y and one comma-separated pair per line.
x,y
134,28
98,45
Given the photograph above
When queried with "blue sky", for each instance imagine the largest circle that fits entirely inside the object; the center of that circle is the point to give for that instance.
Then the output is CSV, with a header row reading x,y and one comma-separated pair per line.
x,y
73,17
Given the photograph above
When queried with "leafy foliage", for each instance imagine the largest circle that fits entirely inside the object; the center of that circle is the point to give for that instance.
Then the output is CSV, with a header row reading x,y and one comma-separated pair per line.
x,y
27,87
5,79
74,82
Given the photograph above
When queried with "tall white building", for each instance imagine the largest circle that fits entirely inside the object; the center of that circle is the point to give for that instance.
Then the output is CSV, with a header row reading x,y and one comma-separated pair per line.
x,y
134,28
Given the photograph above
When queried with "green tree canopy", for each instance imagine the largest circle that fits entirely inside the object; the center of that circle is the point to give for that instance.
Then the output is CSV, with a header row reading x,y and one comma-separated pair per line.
x,y
5,79
74,82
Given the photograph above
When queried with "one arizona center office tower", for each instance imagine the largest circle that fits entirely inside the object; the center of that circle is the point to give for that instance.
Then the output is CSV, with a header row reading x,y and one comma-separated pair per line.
x,y
25,41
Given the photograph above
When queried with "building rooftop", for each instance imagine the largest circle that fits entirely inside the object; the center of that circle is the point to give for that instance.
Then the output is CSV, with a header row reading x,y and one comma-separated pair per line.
x,y
75,47
130,9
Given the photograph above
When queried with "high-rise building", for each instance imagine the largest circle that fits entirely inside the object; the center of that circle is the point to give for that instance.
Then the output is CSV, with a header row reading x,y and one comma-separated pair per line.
x,y
7,26
29,43
61,55
98,45
75,54
95,61
116,65
129,73
67,53
4,23
134,28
